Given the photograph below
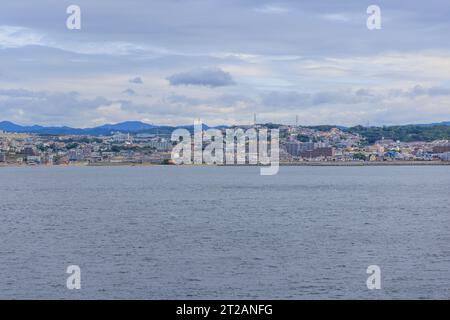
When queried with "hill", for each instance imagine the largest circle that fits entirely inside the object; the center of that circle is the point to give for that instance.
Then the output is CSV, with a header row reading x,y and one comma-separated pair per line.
x,y
405,133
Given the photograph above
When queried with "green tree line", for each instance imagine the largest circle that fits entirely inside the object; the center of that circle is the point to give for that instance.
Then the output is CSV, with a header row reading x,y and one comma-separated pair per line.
x,y
405,133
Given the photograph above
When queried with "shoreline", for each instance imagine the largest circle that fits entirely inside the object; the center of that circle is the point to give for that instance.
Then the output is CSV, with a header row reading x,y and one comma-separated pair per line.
x,y
282,164
368,163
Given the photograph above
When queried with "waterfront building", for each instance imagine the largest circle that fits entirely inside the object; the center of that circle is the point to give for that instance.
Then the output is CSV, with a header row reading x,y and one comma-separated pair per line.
x,y
317,153
441,148
295,148
445,156
75,155
33,160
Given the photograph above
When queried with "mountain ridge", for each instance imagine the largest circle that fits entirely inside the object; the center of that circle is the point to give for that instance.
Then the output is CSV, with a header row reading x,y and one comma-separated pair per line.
x,y
106,129
132,127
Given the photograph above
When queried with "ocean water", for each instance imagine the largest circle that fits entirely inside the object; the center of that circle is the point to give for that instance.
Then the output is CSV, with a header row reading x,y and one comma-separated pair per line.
x,y
167,232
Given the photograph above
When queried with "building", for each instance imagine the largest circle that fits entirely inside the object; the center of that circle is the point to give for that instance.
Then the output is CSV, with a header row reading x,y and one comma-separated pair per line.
x,y
445,156
318,153
28,151
33,160
162,145
441,149
374,149
295,148
75,155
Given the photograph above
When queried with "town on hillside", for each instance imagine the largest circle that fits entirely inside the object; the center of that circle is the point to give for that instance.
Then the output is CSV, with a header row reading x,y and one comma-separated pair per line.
x,y
298,145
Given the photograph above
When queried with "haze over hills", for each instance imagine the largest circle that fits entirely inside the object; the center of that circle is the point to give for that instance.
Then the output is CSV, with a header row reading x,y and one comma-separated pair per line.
x,y
443,123
128,126
106,129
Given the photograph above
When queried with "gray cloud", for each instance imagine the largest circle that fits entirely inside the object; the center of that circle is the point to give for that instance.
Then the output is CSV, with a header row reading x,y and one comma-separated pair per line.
x,y
23,93
136,80
431,91
208,77
168,26
44,107
293,99
347,107
420,91
129,92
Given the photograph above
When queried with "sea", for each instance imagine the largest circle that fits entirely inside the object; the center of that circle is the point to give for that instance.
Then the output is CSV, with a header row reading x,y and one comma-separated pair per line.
x,y
205,232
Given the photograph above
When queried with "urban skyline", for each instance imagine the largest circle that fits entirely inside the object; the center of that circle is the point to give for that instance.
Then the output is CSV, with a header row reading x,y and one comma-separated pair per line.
x,y
133,122
297,144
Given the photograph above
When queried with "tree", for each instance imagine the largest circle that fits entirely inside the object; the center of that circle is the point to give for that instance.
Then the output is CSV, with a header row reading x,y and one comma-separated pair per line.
x,y
359,156
302,138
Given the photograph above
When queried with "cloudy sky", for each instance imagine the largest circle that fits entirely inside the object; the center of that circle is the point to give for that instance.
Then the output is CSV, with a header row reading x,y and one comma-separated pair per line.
x,y
173,61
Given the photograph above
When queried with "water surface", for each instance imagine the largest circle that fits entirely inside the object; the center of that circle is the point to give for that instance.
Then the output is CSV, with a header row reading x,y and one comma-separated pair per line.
x,y
224,232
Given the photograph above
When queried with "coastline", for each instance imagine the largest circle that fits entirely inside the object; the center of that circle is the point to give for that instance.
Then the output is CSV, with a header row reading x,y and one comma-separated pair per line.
x,y
369,163
281,164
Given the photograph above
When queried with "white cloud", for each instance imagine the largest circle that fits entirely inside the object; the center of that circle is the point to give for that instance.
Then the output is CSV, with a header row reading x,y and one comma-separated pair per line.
x,y
271,8
16,37
339,17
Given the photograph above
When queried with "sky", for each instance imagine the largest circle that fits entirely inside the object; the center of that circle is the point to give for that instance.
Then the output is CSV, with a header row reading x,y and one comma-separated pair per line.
x,y
170,62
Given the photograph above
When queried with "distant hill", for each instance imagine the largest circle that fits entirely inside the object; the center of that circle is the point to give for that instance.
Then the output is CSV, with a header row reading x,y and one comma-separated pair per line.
x,y
8,126
406,133
129,126
444,123
107,129
414,132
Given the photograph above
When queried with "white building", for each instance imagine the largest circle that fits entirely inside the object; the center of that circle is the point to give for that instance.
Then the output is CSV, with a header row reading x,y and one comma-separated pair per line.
x,y
445,156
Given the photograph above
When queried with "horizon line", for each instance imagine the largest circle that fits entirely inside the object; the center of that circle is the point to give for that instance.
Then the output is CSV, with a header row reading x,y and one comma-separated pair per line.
x,y
220,125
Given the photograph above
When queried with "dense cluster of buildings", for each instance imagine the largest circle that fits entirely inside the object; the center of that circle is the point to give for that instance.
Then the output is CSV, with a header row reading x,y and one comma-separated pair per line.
x,y
297,144
58,150
305,144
